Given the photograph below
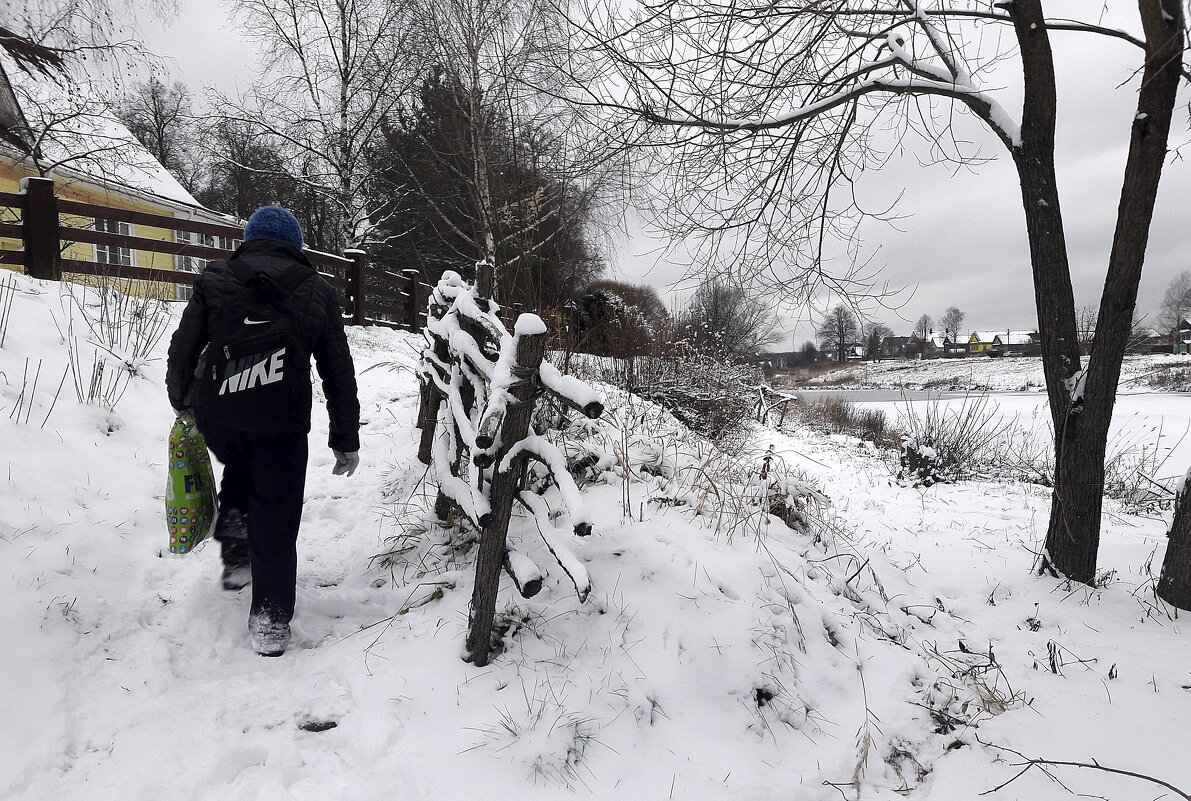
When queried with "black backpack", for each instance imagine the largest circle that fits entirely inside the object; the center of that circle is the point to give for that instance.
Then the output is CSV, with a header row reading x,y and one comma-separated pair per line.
x,y
255,374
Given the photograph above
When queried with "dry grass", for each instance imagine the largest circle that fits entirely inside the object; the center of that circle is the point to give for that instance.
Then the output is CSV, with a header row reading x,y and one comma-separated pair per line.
x,y
807,375
842,416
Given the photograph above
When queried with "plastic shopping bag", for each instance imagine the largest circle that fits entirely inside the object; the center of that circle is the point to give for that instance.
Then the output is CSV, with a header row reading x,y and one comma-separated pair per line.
x,y
190,500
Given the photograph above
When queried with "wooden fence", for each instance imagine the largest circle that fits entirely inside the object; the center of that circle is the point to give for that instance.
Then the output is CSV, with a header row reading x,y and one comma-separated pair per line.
x,y
479,383
368,296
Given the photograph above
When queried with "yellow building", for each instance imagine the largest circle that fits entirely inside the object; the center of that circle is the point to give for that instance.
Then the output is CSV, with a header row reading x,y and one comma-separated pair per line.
x,y
982,341
93,159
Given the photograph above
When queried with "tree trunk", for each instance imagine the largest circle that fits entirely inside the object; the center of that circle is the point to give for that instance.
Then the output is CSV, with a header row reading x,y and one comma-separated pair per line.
x,y
1174,585
1053,298
345,200
1081,411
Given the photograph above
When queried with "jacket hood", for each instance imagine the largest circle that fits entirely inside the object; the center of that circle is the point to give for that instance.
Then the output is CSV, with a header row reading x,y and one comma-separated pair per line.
x,y
271,255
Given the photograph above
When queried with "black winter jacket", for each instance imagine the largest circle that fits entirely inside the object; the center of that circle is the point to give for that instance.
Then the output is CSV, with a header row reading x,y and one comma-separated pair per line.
x,y
317,318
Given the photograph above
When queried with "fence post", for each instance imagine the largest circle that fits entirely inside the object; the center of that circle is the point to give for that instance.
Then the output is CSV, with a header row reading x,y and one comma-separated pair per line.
x,y
355,285
41,229
486,280
504,486
415,302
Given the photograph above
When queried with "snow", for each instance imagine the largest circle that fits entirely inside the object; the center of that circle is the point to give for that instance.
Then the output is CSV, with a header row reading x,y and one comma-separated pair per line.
x,y
1076,386
528,325
569,387
896,644
1005,374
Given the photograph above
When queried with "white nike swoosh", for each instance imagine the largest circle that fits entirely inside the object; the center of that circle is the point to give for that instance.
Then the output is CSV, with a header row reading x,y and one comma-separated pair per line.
x,y
254,322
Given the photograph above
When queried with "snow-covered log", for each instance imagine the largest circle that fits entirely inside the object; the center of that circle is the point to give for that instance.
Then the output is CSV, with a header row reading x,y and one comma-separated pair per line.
x,y
556,542
538,448
571,391
524,572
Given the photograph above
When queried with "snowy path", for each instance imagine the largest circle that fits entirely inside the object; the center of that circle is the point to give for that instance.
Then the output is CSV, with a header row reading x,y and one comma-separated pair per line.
x,y
758,664
144,668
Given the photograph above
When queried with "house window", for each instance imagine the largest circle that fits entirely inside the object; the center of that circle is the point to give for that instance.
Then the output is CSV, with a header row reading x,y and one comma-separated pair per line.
x,y
195,264
110,254
191,264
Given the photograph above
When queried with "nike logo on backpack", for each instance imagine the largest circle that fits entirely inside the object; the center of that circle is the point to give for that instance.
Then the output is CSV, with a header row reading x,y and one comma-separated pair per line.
x,y
255,322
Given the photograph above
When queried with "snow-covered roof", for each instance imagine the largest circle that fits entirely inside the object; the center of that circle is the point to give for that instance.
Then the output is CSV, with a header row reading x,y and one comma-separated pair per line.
x,y
1014,338
984,336
73,127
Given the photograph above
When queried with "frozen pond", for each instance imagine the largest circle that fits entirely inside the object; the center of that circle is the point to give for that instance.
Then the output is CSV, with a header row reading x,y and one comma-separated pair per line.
x,y
1157,421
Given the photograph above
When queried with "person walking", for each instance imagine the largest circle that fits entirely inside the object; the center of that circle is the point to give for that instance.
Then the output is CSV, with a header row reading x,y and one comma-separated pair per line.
x,y
239,363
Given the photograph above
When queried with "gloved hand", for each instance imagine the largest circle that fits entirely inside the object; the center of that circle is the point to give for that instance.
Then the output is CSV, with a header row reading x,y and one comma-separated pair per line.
x,y
186,416
345,463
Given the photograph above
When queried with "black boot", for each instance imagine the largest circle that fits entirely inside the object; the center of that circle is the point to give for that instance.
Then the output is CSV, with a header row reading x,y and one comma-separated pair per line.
x,y
231,529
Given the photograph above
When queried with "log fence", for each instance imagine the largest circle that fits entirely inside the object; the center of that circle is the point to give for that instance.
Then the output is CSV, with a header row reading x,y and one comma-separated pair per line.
x,y
478,386
370,296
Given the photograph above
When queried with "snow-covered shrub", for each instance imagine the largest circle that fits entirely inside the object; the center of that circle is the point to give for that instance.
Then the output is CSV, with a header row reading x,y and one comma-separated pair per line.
x,y
1173,379
119,332
956,441
658,460
544,738
919,462
708,393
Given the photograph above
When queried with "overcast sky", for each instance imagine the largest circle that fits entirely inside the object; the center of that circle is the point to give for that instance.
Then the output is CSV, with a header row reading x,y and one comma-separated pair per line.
x,y
963,243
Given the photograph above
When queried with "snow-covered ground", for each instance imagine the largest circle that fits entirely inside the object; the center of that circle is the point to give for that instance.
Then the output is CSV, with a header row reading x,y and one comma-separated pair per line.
x,y
896,649
1007,374
1150,429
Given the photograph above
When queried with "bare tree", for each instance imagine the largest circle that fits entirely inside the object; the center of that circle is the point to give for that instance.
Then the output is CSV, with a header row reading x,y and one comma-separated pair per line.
x,y
1086,324
535,209
737,324
1176,302
837,331
874,338
924,327
334,70
71,61
768,157
160,116
492,54
951,322
1085,327
1174,582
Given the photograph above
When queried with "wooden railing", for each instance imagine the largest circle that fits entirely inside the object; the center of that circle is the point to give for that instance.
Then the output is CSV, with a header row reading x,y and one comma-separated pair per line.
x,y
368,296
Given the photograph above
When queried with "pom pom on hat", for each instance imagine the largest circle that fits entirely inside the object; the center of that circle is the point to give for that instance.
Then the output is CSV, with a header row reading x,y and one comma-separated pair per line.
x,y
274,222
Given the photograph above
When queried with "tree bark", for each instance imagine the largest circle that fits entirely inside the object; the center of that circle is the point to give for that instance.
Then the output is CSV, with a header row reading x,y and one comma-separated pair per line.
x,y
1174,584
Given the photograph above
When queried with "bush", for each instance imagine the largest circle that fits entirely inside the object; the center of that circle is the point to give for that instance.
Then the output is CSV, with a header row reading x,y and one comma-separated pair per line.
x,y
841,416
919,463
954,443
706,392
660,462
1174,379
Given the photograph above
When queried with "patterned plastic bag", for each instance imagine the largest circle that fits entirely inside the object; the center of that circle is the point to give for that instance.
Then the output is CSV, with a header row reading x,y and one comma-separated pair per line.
x,y
190,500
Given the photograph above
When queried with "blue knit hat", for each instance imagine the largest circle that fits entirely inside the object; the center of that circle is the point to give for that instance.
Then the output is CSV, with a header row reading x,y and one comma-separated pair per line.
x,y
274,222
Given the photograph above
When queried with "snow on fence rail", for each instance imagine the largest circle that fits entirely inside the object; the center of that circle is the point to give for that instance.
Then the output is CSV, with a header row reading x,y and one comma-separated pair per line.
x,y
371,296
478,387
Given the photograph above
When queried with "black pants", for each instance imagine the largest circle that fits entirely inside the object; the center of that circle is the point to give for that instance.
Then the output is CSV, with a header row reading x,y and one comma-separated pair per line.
x,y
265,478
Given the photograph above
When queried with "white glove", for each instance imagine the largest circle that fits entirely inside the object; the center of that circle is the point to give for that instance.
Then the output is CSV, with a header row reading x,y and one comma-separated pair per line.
x,y
345,463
